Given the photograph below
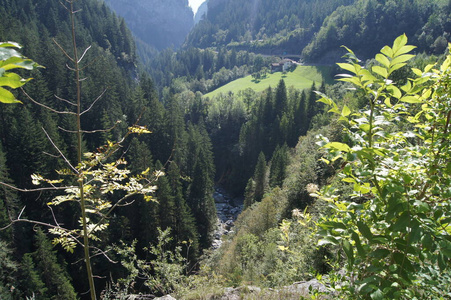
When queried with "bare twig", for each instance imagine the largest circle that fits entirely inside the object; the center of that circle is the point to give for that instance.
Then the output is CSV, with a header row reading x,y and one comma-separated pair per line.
x,y
59,151
45,106
94,102
90,131
61,48
84,53
37,190
67,101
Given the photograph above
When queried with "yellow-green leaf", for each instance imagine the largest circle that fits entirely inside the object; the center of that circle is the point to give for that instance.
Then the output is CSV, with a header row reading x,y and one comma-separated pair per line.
x,y
387,51
380,71
338,146
410,99
354,68
7,97
346,111
383,60
401,59
394,91
12,80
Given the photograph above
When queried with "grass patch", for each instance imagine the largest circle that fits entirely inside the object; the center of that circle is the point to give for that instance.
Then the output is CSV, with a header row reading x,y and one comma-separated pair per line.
x,y
301,78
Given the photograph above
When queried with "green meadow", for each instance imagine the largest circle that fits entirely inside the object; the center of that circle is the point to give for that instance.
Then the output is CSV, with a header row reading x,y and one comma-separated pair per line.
x,y
301,78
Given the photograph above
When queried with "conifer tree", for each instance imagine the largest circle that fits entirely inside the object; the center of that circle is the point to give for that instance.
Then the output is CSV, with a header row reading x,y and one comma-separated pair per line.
x,y
53,275
300,117
8,200
200,192
185,226
311,109
279,163
249,193
260,177
166,205
7,268
30,280
281,99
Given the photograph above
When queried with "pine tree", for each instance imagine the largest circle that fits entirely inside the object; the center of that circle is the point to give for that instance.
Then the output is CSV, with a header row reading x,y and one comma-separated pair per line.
x,y
311,110
53,275
281,99
249,193
260,177
200,192
7,269
8,200
166,205
279,163
185,227
30,281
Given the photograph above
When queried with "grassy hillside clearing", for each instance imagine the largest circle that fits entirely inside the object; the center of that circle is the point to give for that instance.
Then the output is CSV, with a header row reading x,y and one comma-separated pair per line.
x,y
301,78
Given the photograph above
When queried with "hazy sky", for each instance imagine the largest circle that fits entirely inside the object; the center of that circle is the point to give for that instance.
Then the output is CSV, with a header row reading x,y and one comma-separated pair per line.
x,y
195,4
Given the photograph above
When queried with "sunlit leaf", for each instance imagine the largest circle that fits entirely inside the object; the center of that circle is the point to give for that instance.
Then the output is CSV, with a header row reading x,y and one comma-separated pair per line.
x,y
338,146
7,97
383,60
410,99
380,71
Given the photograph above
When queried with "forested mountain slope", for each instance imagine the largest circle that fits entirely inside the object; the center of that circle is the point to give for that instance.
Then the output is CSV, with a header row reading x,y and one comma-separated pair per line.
x,y
159,23
318,28
182,149
290,23
280,150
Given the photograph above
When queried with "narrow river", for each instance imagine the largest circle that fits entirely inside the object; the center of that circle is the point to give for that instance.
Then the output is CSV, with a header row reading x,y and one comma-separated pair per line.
x,y
228,209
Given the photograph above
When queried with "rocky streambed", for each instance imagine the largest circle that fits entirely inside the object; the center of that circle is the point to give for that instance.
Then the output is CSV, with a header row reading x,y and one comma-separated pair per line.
x,y
228,208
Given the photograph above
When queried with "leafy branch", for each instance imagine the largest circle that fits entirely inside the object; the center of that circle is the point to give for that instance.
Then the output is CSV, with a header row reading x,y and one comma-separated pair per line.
x,y
395,231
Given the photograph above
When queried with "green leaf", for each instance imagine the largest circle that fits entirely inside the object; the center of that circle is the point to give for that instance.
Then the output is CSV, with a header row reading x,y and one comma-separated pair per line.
x,y
380,253
387,51
358,244
445,248
394,91
328,240
403,222
404,50
349,180
326,100
346,111
6,53
338,146
10,45
400,46
12,80
349,252
399,42
411,99
383,60
407,87
403,261
353,80
365,230
7,97
377,295
396,67
402,59
354,68
380,71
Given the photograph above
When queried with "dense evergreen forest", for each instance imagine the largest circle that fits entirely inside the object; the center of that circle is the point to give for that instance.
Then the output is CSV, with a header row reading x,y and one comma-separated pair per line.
x,y
109,166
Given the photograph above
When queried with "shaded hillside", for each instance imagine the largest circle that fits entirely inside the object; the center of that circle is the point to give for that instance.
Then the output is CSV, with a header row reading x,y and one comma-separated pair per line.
x,y
159,23
368,25
317,29
246,21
